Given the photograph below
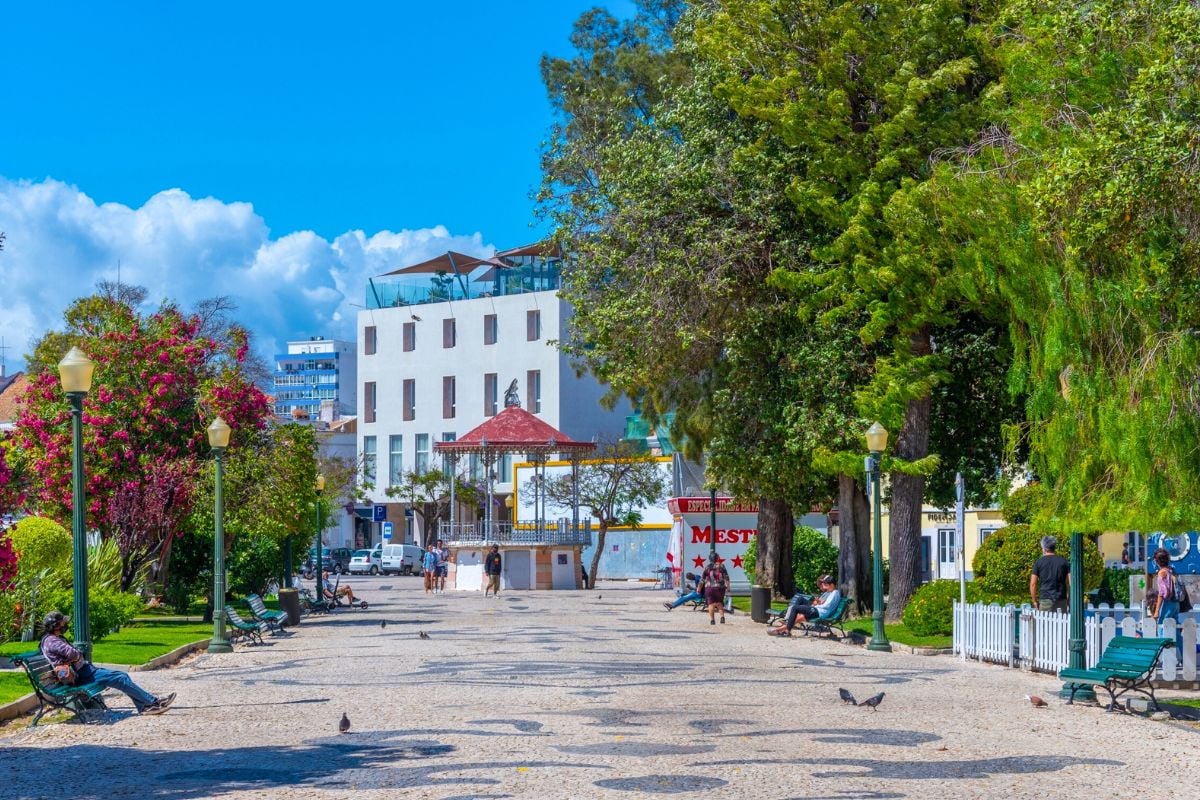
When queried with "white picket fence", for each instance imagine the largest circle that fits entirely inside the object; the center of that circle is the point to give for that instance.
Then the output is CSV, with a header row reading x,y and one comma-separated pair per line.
x,y
1039,640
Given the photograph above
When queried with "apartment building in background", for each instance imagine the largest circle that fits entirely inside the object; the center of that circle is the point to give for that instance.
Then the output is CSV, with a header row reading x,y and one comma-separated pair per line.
x,y
315,378
439,345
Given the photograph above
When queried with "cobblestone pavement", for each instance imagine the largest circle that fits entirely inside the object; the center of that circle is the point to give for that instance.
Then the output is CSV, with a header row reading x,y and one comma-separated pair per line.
x,y
580,695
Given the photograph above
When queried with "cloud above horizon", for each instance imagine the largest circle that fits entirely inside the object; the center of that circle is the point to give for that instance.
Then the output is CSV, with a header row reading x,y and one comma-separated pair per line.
x,y
61,243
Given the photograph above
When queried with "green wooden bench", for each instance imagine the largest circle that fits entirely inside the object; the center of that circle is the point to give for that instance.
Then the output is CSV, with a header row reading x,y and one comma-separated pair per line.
x,y
241,629
829,623
1127,664
275,620
78,699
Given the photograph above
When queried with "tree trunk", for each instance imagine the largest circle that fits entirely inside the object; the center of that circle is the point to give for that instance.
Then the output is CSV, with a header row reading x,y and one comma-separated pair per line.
x,y
854,544
908,492
601,530
776,531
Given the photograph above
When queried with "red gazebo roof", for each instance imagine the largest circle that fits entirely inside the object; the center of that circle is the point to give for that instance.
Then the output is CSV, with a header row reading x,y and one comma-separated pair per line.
x,y
513,430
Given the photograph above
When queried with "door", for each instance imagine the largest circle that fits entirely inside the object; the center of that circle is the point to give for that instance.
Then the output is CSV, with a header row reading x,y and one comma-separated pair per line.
x,y
926,559
516,569
563,570
947,553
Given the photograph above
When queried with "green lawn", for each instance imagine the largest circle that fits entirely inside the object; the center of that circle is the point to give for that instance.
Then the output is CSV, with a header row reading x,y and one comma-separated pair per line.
x,y
1193,702
136,643
13,685
900,633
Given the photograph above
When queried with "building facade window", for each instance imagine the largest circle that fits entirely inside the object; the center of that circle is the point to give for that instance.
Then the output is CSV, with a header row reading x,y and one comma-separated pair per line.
x,y
369,458
448,397
533,325
490,329
395,460
369,401
984,533
410,336
475,468
505,472
533,390
449,333
1136,543
447,463
490,392
370,340
410,399
421,464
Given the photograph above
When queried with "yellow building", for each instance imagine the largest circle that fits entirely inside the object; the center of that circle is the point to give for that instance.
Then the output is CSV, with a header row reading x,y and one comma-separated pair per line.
x,y
939,537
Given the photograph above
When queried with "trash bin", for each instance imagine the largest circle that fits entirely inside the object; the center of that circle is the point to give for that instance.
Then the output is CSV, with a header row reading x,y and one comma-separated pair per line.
x,y
289,602
760,603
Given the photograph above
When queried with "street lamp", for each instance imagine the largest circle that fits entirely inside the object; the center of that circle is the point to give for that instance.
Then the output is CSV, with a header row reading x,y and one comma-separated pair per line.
x,y
75,373
877,437
317,561
218,440
1077,644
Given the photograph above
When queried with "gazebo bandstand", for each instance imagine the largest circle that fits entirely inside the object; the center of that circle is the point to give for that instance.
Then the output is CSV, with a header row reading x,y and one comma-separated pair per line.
x,y
551,547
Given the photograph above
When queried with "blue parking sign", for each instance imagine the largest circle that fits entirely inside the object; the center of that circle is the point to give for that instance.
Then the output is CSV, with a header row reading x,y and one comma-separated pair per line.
x,y
378,513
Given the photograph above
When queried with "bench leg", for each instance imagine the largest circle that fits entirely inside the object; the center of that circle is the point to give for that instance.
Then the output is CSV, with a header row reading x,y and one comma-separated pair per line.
x,y
1071,699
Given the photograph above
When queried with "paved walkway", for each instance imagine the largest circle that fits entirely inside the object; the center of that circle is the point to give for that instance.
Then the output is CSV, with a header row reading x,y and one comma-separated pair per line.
x,y
581,695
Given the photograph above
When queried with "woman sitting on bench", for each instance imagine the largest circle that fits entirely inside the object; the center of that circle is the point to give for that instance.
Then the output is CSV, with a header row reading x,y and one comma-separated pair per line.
x,y
825,604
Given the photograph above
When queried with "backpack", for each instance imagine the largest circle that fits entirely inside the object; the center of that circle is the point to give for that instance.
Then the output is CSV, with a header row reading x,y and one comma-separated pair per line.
x,y
1179,589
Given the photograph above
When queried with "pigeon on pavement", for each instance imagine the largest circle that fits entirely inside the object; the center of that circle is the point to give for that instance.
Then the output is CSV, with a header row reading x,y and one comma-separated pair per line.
x,y
383,623
423,634
872,702
344,725
847,697
1036,701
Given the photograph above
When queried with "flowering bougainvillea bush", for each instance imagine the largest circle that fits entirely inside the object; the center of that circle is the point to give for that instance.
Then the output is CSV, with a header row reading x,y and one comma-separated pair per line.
x,y
159,380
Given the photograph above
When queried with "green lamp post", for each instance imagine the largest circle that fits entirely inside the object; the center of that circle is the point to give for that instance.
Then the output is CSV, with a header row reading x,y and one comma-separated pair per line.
x,y
317,560
218,439
877,437
1077,641
75,373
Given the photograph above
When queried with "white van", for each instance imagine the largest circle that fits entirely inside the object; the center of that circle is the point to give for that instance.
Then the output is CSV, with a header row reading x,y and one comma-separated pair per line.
x,y
400,559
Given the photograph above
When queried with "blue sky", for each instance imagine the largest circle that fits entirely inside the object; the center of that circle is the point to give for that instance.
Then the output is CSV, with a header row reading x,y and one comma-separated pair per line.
x,y
284,127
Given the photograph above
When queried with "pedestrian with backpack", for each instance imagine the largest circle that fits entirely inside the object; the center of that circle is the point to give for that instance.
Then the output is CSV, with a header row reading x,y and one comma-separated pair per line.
x,y
716,583
1172,596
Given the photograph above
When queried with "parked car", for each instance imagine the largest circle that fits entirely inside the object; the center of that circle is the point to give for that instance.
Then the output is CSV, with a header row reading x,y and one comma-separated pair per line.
x,y
400,559
364,562
333,559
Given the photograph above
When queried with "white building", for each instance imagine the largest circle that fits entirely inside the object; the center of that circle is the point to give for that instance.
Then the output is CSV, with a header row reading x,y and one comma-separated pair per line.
x,y
442,341
313,372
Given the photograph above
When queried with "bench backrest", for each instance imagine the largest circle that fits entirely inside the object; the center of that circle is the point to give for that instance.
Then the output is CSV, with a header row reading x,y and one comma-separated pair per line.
x,y
39,668
256,603
1133,656
234,616
838,612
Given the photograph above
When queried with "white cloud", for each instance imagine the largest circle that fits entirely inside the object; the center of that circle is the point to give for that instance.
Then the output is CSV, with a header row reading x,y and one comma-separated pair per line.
x,y
61,243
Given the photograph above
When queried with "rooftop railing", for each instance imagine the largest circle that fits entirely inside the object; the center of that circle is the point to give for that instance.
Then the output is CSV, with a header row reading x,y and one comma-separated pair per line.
x,y
543,533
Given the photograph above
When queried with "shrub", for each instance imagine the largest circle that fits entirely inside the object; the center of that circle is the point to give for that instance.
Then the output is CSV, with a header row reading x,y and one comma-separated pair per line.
x,y
1115,583
1004,562
930,612
1022,506
253,561
108,610
813,555
8,563
41,544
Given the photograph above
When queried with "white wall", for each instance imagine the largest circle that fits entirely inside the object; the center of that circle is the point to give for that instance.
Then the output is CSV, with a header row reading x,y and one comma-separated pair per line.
x,y
568,403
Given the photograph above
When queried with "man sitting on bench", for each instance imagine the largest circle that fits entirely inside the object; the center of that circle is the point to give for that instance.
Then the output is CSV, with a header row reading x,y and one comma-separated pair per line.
x,y
825,603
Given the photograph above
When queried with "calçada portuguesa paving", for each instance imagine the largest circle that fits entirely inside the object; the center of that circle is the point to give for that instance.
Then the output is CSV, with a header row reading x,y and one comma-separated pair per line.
x,y
588,695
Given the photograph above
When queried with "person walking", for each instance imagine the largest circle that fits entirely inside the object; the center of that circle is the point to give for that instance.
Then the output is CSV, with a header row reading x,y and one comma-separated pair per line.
x,y
1166,600
491,568
716,584
429,569
61,653
443,565
1051,578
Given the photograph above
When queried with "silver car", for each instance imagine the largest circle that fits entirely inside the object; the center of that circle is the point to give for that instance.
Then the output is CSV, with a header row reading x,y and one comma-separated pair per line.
x,y
365,562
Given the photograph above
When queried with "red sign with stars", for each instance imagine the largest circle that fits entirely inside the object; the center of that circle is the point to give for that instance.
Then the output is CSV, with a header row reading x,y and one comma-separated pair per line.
x,y
737,526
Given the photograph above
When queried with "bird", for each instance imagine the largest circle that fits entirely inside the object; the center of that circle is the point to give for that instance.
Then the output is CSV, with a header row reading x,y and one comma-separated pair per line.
x,y
344,725
1036,701
599,597
383,623
423,634
847,697
872,702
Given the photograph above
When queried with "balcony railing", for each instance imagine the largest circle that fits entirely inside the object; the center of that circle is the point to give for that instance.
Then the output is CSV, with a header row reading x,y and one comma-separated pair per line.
x,y
541,533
